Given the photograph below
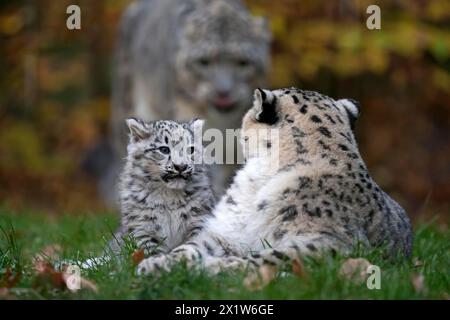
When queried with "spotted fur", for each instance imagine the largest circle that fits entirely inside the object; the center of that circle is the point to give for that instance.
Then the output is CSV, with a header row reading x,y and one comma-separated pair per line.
x,y
321,198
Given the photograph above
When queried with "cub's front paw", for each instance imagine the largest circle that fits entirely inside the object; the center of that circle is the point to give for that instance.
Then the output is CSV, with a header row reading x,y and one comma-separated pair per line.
x,y
152,265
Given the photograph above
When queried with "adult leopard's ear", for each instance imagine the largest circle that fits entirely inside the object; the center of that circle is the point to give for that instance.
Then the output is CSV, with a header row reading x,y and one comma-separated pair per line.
x,y
352,107
265,103
137,128
196,127
196,124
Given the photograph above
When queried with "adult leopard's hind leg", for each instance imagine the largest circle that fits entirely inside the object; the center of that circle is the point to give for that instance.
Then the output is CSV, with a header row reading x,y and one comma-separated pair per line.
x,y
297,248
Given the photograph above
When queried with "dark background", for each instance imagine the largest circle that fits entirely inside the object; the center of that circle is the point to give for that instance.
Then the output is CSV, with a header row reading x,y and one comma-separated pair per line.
x,y
55,92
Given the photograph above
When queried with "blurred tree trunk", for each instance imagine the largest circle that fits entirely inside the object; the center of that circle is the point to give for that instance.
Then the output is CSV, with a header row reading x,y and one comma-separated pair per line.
x,y
31,56
94,28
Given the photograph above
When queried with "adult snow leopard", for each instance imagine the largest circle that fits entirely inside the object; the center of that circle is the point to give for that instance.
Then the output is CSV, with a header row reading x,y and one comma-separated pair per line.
x,y
178,59
164,195
320,199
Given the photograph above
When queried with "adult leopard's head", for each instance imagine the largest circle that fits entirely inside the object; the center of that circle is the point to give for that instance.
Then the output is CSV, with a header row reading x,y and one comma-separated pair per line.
x,y
223,54
311,125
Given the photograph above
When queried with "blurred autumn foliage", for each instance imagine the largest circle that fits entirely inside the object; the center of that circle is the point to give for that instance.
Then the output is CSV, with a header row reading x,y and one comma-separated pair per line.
x,y
55,91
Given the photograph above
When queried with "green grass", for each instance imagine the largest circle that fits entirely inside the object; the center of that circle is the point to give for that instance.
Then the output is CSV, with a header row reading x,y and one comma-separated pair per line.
x,y
24,234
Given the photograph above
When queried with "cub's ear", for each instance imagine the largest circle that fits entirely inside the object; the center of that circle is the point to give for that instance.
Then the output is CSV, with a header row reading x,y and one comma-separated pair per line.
x,y
137,128
352,108
265,106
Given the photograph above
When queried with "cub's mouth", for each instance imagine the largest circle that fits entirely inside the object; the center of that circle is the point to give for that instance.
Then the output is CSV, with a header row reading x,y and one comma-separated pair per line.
x,y
167,177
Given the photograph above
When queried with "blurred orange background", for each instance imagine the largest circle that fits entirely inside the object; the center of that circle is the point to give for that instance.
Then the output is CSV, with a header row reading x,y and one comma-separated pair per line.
x,y
55,92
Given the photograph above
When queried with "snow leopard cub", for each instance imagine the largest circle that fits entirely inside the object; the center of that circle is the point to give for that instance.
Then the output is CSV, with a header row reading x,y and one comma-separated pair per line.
x,y
164,196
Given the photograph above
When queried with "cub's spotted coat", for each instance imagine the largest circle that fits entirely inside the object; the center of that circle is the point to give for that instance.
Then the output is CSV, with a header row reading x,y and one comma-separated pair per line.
x,y
320,199
164,196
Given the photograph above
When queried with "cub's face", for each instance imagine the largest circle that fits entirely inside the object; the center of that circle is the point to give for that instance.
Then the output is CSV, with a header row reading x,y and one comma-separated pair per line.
x,y
223,55
308,122
163,150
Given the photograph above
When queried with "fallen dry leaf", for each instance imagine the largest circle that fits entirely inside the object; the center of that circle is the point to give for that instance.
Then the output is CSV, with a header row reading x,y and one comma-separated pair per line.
x,y
418,282
258,280
45,272
354,269
84,283
6,295
47,275
298,268
8,280
42,266
42,260
138,256
62,280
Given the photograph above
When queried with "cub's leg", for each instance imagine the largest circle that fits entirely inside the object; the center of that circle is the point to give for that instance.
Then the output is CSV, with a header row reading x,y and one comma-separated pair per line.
x,y
194,252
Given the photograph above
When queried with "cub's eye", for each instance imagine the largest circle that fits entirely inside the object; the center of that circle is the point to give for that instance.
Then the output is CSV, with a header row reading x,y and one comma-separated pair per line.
x,y
243,62
191,150
204,62
164,150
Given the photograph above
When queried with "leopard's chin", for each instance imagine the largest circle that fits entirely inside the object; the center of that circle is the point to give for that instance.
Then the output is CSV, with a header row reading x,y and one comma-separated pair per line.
x,y
176,183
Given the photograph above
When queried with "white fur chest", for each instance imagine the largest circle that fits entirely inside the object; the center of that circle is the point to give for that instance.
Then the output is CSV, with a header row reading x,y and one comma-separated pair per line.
x,y
163,216
237,218
170,227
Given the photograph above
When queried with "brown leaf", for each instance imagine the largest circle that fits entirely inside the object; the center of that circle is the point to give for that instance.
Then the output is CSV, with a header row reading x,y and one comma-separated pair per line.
x,y
50,277
418,282
138,256
6,295
84,283
41,266
42,260
354,269
8,280
298,268
47,275
258,280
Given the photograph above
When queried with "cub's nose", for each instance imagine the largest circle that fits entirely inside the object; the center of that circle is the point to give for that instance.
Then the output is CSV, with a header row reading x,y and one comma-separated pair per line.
x,y
180,167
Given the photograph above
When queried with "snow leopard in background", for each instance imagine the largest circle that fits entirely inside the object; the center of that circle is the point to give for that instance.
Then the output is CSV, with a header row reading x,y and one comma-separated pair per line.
x,y
179,59
164,195
321,198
